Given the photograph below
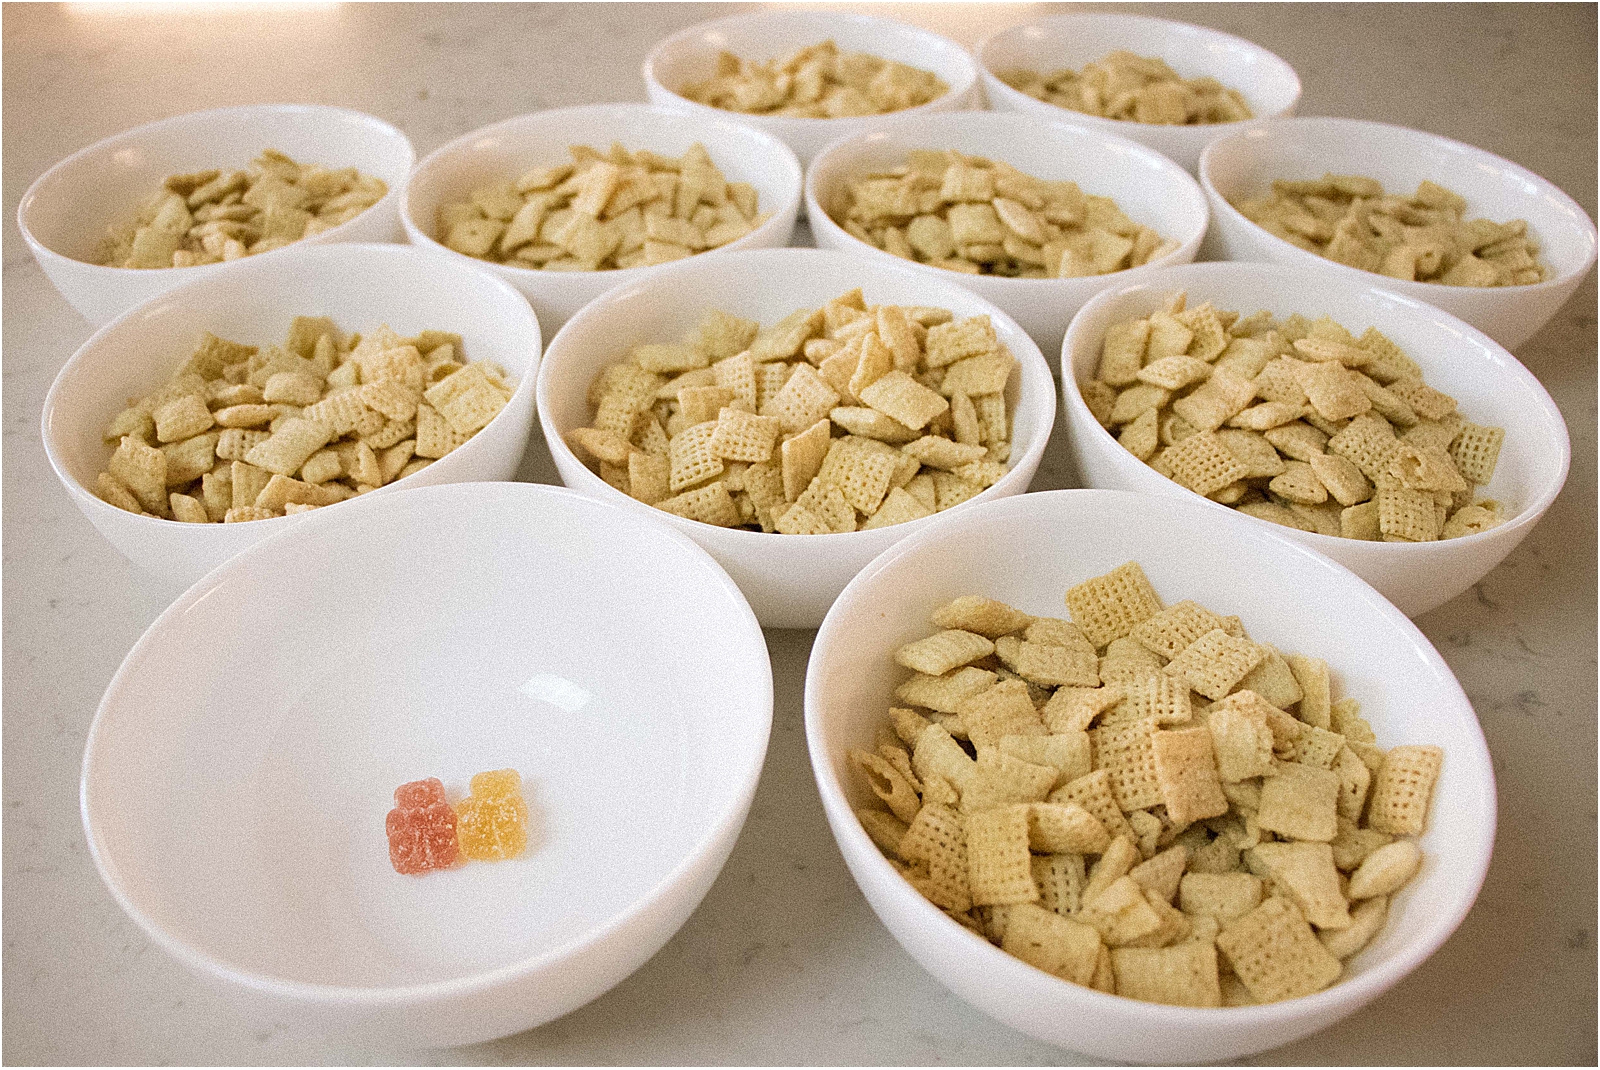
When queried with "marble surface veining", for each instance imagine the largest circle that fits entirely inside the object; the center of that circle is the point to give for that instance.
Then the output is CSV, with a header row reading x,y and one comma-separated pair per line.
x,y
783,962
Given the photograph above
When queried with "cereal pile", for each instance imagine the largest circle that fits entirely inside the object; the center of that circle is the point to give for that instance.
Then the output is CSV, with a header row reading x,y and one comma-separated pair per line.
x,y
1423,238
1295,422
426,833
1133,88
830,420
979,216
1119,798
817,82
603,211
226,437
211,216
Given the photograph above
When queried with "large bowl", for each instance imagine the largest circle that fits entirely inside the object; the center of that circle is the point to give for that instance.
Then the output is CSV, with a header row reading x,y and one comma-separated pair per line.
x,y
1027,551
1053,42
360,286
790,579
1245,164
1491,385
690,56
507,149
67,211
1148,187
239,819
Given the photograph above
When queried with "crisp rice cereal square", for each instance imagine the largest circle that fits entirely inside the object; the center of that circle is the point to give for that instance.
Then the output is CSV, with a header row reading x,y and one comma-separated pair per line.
x,y
1109,607
999,869
1187,773
1403,789
1274,952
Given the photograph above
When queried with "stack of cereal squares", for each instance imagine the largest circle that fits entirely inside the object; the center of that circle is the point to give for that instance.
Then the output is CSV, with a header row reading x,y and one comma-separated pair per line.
x,y
1143,799
603,211
1296,422
1133,88
817,82
832,419
980,216
241,433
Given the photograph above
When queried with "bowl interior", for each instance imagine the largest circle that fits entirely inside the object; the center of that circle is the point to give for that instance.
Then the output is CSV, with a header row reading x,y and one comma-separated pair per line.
x,y
1028,550
1490,386
1246,164
69,210
540,642
1267,83
359,286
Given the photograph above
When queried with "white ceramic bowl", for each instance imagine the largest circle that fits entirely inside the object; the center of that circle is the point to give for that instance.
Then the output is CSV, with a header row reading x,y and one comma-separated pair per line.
x,y
1027,551
690,56
438,632
1492,387
1148,187
1244,165
790,579
360,286
1056,42
67,211
506,149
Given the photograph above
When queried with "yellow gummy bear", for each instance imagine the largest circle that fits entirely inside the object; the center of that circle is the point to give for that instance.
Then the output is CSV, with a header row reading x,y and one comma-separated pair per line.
x,y
492,822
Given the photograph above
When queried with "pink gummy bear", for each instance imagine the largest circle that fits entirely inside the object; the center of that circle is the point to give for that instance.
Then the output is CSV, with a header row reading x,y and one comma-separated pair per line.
x,y
421,828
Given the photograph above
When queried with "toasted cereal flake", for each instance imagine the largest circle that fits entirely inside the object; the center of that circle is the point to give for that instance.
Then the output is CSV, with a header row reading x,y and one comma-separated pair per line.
x,y
1300,802
1121,911
1057,945
1183,975
1274,952
888,783
1240,736
1004,780
1126,752
936,753
937,838
985,616
998,863
1108,607
1068,827
1187,774
710,504
945,693
1223,896
1403,789
938,654
885,830
1093,793
999,711
1172,630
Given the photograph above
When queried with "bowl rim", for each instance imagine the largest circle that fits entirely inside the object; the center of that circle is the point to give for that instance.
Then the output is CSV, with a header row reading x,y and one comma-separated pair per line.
x,y
793,182
820,218
88,500
662,48
993,83
203,962
326,237
1316,124
1347,992
1513,368
594,485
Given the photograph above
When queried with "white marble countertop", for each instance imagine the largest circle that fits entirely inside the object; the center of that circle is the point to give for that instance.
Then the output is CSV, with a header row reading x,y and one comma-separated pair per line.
x,y
783,962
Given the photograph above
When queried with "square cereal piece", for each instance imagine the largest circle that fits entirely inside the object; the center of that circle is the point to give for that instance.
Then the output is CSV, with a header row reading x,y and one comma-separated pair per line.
x,y
1122,352
1316,690
1060,879
1223,896
1128,659
1274,952
1174,628
1066,752
1183,975
944,651
1187,773
710,504
948,343
861,469
1003,780
1407,515
1057,945
742,436
904,400
1300,802
1216,401
1108,607
1305,873
1006,709
1127,753
975,376
937,838
827,503
1241,736
1073,709
937,754
1048,665
1403,789
1093,793
649,477
690,457
467,399
984,616
1160,873
1215,663
999,868
1069,828
1204,464
804,399
290,446
945,693
1476,451
802,455
1273,680
435,437
1122,912
181,418
1152,696
898,508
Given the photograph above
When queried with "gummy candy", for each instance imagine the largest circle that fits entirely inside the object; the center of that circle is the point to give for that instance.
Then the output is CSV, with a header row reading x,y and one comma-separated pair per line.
x,y
421,828
492,822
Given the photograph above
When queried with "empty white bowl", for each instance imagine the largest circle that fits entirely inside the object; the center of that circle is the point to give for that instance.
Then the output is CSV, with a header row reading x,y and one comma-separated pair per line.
x,y
1493,388
439,632
360,286
1027,551
66,212
505,150
790,580
1148,187
1056,42
690,56
1244,165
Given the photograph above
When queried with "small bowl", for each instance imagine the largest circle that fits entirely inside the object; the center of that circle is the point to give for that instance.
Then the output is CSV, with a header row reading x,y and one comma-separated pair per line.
x,y
790,579
67,211
360,286
1492,387
1056,42
506,149
690,56
1147,186
1027,551
1245,164
493,625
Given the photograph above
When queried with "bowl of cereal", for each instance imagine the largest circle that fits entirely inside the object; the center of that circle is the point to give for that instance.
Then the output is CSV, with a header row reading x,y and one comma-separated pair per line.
x,y
207,419
1436,220
435,826
1231,801
568,203
794,411
809,77
180,199
1037,217
1376,429
1168,85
